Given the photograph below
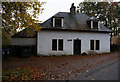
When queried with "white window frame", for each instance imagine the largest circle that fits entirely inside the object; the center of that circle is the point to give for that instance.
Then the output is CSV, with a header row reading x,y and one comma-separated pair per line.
x,y
53,22
95,44
62,20
58,44
92,24
98,24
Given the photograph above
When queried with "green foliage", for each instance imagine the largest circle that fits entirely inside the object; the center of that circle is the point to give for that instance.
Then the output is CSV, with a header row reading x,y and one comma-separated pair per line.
x,y
20,15
106,12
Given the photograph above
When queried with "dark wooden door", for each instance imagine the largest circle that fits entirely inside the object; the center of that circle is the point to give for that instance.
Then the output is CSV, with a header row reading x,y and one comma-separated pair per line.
x,y
77,46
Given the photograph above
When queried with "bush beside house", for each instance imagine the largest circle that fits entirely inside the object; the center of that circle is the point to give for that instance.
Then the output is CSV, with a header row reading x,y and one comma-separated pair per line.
x,y
115,43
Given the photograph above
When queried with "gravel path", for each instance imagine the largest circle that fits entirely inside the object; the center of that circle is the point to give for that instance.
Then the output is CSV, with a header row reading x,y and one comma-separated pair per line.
x,y
58,67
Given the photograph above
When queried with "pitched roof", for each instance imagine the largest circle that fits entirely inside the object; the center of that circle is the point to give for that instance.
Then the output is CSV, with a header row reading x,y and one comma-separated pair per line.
x,y
76,21
79,20
24,34
72,22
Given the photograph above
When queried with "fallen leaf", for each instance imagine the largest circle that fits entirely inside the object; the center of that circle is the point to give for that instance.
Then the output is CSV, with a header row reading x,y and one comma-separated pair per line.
x,y
86,70
52,78
92,79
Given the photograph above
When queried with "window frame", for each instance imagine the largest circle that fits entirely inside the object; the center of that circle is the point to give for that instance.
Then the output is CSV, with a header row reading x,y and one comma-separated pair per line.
x,y
62,20
60,46
98,45
92,25
54,44
92,47
57,43
95,44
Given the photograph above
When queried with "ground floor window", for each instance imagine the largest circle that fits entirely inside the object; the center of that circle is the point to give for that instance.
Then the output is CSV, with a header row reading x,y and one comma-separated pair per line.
x,y
57,44
54,44
94,44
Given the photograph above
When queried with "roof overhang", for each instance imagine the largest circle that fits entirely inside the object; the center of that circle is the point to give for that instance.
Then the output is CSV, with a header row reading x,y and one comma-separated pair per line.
x,y
75,29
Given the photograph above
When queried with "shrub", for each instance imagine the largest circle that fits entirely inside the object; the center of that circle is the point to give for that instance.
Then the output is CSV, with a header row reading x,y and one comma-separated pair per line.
x,y
114,48
20,51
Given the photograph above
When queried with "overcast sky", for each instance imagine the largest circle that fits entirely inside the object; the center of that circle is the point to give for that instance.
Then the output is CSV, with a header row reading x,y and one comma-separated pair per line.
x,y
54,6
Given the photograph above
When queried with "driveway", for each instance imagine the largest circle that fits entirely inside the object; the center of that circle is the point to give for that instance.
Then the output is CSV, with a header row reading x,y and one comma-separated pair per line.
x,y
106,71
59,67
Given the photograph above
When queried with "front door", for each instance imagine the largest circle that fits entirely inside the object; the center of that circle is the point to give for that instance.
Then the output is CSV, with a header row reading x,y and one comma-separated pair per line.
x,y
77,46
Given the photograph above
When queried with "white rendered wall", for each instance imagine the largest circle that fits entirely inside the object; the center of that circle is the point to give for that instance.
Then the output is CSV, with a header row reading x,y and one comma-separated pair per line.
x,y
24,41
44,42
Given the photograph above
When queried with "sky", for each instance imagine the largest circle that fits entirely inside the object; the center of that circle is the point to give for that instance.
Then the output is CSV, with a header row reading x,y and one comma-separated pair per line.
x,y
54,6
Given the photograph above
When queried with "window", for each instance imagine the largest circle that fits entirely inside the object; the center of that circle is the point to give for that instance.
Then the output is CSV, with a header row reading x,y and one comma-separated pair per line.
x,y
94,44
95,25
60,46
57,45
97,44
57,22
54,44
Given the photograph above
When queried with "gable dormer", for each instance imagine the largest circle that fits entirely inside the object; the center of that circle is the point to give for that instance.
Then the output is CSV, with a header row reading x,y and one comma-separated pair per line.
x,y
93,23
57,21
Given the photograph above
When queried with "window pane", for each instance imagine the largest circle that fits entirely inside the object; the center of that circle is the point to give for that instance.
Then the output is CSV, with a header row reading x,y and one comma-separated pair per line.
x,y
54,44
91,44
60,45
95,25
97,44
58,22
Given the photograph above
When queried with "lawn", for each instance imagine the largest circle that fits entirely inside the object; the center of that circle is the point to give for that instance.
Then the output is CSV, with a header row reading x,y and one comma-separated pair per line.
x,y
52,68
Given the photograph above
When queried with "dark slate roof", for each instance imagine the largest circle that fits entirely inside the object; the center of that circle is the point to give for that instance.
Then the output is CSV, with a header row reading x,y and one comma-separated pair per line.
x,y
73,22
79,20
24,34
76,22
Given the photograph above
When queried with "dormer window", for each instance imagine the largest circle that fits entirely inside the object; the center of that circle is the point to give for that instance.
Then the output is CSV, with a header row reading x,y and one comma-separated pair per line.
x,y
93,23
58,22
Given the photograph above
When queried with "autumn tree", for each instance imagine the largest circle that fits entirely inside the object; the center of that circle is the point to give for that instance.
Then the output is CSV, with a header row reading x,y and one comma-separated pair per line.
x,y
6,38
106,12
20,15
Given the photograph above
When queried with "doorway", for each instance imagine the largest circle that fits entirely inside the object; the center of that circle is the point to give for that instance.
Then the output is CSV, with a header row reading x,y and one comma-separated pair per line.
x,y
77,46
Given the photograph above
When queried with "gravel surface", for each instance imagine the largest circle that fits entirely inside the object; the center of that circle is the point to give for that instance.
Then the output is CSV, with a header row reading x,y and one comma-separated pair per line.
x,y
58,67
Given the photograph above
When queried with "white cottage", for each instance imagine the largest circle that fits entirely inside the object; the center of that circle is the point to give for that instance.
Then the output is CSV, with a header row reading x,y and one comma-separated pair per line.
x,y
72,33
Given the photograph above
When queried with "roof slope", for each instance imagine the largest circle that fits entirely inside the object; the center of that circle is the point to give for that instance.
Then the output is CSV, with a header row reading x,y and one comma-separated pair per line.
x,y
24,34
76,22
73,22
